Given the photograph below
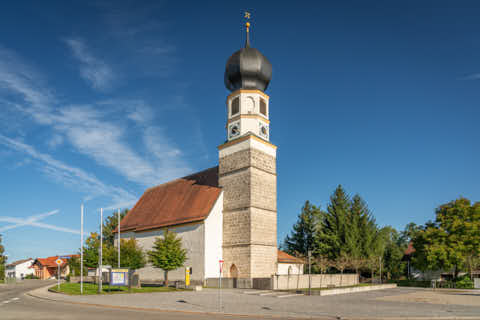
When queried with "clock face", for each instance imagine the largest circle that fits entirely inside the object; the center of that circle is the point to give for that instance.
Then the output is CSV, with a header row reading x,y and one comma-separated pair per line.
x,y
263,130
233,130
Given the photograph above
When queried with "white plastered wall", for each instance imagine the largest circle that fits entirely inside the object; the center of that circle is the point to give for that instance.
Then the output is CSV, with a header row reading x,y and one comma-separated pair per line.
x,y
22,269
283,268
213,239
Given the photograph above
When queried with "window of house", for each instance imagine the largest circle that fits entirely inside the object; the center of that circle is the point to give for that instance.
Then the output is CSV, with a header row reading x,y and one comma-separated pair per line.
x,y
263,107
235,106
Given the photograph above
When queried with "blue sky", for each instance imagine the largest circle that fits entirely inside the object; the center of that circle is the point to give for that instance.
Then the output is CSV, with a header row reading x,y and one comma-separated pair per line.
x,y
101,100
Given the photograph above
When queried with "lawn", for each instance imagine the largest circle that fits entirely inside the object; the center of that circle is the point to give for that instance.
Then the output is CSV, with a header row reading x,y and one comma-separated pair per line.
x,y
89,288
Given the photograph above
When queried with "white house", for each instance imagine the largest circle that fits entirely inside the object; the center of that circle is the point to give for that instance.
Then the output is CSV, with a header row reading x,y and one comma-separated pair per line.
x,y
19,269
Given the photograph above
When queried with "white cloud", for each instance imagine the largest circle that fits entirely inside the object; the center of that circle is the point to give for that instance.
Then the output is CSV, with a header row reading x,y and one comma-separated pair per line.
x,y
71,176
55,141
95,71
33,221
100,135
473,76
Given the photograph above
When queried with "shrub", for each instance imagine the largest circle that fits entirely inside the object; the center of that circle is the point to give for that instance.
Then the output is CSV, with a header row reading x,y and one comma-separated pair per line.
x,y
464,283
31,276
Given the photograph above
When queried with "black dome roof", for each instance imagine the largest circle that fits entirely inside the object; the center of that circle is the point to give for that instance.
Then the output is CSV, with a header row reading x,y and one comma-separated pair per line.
x,y
248,69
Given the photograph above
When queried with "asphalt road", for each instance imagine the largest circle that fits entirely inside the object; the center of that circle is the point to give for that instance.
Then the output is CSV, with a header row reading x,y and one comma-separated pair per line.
x,y
14,304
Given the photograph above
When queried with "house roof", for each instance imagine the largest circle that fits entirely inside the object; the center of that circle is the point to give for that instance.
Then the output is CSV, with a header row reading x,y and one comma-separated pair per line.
x,y
410,249
283,257
16,263
184,200
51,261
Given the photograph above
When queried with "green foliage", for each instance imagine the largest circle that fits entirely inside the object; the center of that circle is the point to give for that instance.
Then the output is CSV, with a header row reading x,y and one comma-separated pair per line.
x,y
131,255
109,225
167,253
302,237
74,264
31,276
332,232
90,289
3,260
464,283
393,253
452,242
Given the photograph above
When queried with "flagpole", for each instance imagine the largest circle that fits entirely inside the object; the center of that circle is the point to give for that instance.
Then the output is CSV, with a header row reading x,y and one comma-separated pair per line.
x,y
100,273
119,242
81,249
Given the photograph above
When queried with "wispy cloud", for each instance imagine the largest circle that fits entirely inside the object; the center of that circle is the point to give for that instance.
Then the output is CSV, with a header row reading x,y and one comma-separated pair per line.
x,y
71,176
473,76
95,71
33,221
100,135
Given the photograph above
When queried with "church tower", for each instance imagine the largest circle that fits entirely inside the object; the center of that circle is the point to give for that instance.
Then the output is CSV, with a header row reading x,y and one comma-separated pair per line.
x,y
247,170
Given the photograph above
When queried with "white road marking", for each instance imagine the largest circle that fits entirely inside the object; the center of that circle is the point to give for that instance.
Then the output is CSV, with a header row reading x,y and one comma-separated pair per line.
x,y
15,299
267,293
256,291
7,301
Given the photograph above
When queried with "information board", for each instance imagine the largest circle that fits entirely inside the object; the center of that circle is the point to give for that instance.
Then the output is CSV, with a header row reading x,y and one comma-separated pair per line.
x,y
119,277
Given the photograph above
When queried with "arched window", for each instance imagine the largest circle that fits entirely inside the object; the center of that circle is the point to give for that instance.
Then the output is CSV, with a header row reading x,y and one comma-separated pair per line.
x,y
263,107
235,106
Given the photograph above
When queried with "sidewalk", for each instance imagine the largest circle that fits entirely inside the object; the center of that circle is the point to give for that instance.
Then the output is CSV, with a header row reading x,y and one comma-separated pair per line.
x,y
234,301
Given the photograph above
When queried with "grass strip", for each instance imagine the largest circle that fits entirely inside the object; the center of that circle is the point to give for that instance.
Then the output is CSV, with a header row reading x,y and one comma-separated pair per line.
x,y
90,289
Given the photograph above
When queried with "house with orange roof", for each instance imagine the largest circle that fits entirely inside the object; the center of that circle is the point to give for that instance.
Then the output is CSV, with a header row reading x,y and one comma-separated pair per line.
x,y
47,268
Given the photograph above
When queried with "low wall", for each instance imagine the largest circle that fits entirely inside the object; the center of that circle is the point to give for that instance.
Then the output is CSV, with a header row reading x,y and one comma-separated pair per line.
x,y
288,282
356,289
240,283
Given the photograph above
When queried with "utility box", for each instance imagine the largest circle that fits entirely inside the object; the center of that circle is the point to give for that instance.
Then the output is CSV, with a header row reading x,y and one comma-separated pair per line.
x,y
476,283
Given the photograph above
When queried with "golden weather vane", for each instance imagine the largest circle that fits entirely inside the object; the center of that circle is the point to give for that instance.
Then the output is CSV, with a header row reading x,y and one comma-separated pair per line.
x,y
247,16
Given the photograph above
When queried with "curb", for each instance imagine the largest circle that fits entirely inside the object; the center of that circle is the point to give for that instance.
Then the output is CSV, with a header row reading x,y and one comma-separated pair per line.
x,y
39,296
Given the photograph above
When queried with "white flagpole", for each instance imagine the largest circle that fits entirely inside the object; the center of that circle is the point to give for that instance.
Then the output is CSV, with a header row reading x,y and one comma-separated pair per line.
x,y
81,250
100,281
118,243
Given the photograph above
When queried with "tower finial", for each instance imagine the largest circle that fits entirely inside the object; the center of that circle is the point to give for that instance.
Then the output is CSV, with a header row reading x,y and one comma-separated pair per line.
x,y
247,24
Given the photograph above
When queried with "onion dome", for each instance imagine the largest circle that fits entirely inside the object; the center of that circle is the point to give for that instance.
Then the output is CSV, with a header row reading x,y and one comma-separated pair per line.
x,y
248,69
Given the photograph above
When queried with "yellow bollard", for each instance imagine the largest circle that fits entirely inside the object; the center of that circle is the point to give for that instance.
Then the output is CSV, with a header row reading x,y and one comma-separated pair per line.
x,y
187,276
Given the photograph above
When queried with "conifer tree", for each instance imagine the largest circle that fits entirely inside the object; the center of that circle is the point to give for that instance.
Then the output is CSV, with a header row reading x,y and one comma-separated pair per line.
x,y
331,236
302,237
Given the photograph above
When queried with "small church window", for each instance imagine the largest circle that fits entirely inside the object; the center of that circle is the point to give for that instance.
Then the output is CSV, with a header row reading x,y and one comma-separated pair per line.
x,y
235,106
263,107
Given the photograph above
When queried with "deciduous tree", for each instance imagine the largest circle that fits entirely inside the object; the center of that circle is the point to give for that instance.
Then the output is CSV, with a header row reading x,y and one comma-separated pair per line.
x,y
167,253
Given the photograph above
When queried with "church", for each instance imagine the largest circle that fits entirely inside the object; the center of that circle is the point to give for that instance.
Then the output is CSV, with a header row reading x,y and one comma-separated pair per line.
x,y
229,212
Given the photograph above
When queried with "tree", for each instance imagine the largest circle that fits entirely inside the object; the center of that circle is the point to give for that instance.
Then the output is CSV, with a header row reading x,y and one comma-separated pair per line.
x,y
3,260
90,251
131,255
452,242
331,236
393,253
110,224
167,253
302,238
341,263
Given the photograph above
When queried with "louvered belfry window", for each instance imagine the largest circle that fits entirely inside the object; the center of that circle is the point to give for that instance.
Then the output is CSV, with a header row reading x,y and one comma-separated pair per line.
x,y
235,106
263,107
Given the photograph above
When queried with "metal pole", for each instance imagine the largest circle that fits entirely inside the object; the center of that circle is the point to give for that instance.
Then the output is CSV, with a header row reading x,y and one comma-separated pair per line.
x,y
81,250
118,243
220,287
380,261
309,273
100,275
58,276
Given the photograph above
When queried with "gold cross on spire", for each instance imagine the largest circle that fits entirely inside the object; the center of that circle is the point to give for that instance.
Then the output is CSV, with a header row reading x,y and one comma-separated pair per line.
x,y
247,24
247,15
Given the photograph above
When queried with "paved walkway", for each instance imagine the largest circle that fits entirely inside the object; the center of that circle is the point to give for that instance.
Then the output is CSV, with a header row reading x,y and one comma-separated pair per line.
x,y
382,304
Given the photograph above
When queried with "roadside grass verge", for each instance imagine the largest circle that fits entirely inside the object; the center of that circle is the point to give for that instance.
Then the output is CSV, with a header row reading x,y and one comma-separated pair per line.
x,y
90,288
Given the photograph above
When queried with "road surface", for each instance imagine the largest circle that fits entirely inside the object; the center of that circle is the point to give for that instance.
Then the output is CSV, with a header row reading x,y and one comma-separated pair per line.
x,y
14,304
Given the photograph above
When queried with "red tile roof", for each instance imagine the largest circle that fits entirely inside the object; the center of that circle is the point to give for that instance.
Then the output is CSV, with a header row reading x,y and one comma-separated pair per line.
x,y
283,257
410,249
187,199
51,261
